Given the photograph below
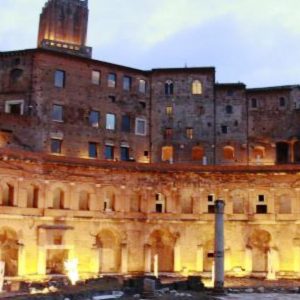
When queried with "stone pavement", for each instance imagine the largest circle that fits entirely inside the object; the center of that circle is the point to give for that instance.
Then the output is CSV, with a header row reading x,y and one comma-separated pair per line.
x,y
261,297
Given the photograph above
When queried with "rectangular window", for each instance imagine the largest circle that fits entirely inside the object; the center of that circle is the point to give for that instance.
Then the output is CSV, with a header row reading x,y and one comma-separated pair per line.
x,y
224,129
261,209
125,124
126,83
261,198
112,80
94,118
124,153
109,152
169,111
282,102
57,113
93,150
56,146
96,75
168,133
110,121
210,198
254,103
14,107
142,86
140,126
189,133
59,78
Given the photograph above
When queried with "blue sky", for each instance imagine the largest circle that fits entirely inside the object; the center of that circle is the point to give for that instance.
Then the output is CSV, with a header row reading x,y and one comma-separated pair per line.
x,y
252,41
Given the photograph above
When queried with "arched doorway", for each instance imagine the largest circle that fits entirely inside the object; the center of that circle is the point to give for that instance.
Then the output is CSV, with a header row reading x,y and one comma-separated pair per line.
x,y
110,251
9,251
259,242
282,153
162,245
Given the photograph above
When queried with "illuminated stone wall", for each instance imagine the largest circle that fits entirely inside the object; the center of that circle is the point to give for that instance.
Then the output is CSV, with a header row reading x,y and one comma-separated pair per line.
x,y
106,216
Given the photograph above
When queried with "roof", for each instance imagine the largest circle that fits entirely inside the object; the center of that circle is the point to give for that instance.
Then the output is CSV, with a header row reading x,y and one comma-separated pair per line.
x,y
236,85
273,88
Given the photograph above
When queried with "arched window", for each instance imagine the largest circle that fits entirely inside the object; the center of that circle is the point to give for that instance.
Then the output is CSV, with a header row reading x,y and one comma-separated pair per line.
x,y
109,201
167,153
228,153
238,204
160,203
284,205
58,199
259,152
196,87
169,88
32,196
197,153
84,199
229,109
8,192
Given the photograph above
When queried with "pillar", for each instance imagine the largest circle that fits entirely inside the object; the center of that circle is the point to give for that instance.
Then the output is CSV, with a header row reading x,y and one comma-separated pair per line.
x,y
199,261
147,251
177,258
95,260
41,265
219,246
248,260
124,259
21,261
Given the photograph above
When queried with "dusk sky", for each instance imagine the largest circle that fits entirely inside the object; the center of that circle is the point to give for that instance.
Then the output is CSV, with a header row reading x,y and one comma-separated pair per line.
x,y
253,41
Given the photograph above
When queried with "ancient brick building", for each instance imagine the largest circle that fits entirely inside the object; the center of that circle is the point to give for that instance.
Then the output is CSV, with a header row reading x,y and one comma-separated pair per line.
x,y
113,165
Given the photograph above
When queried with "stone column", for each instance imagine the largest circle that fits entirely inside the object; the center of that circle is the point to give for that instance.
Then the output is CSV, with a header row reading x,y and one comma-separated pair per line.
x,y
41,264
95,260
199,262
147,251
21,260
124,258
248,260
219,246
177,258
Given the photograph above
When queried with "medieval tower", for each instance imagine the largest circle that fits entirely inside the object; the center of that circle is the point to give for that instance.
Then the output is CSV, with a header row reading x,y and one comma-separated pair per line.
x,y
63,24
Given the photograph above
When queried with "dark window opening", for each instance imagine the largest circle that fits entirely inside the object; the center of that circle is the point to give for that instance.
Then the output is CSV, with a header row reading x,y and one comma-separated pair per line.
x,y
142,104
146,153
109,152
282,102
229,109
261,209
159,207
211,209
168,133
15,75
124,153
112,99
93,150
261,198
127,83
56,146
236,123
210,198
254,103
210,255
282,153
15,109
224,129
297,152
125,126
169,88
94,118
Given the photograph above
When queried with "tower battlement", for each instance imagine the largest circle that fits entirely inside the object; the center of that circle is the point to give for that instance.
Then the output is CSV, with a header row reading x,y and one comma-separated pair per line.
x,y
63,26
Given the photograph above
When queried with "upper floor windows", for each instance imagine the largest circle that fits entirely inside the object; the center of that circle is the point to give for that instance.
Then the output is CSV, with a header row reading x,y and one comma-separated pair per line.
x,y
125,126
169,111
112,80
93,153
14,107
55,146
59,78
94,118
57,113
169,88
229,109
196,87
96,77
253,103
110,121
127,83
189,133
282,102
142,86
140,126
15,75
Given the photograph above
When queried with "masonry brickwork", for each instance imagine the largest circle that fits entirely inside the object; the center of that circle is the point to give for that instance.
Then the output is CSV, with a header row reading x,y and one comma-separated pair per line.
x,y
113,165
